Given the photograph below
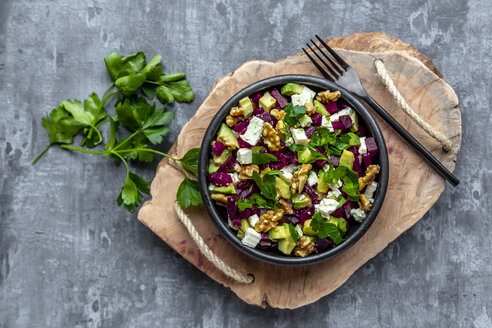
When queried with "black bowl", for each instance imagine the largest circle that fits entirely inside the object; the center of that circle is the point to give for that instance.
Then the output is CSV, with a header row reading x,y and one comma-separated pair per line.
x,y
218,214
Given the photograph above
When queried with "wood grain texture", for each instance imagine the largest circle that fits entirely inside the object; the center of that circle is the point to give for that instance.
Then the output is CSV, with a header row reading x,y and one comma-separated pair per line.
x,y
413,185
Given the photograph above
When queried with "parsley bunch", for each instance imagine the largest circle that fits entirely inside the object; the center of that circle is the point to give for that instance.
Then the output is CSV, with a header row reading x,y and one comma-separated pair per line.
x,y
136,83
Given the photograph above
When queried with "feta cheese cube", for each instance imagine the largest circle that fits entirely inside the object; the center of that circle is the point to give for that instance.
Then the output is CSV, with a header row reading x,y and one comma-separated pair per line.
x,y
336,116
307,95
363,146
244,156
370,189
305,121
333,194
211,187
251,238
235,177
253,132
326,124
312,178
237,167
287,171
253,219
326,207
299,136
358,214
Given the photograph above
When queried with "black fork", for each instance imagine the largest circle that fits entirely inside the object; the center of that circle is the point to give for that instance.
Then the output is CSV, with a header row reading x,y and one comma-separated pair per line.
x,y
337,70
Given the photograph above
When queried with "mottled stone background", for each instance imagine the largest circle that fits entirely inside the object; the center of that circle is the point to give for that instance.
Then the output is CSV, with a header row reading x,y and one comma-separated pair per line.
x,y
69,257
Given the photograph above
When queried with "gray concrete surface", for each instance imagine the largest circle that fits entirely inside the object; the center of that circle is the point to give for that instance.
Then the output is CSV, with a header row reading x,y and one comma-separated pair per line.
x,y
69,257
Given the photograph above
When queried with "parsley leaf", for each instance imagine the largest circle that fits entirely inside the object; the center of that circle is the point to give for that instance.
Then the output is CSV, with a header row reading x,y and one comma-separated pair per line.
x,y
119,66
351,185
262,158
330,230
293,232
293,114
190,160
188,193
131,192
243,204
266,185
264,203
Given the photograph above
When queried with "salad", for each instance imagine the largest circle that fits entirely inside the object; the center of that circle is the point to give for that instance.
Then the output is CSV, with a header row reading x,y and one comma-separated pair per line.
x,y
294,168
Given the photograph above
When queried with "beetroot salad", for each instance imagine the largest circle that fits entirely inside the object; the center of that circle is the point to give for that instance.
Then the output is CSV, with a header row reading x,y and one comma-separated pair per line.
x,y
294,168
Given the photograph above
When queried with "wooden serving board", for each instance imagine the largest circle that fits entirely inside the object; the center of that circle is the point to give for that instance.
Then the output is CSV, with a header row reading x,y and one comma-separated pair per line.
x,y
413,185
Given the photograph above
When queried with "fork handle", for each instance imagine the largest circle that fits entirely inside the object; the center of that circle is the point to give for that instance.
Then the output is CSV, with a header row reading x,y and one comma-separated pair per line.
x,y
441,169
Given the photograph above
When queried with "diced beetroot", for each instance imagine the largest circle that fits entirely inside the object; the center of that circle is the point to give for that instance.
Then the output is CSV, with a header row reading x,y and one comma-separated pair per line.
x,y
335,160
218,148
265,240
367,160
309,131
323,244
220,178
231,208
258,111
242,188
306,214
344,122
338,213
289,219
282,161
255,210
357,167
292,157
256,97
242,126
310,192
316,118
341,104
354,150
236,222
361,131
281,101
243,144
228,165
265,116
245,214
331,107
372,148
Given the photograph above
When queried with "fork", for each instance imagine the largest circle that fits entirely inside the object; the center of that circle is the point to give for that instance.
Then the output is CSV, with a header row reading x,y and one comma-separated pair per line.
x,y
345,76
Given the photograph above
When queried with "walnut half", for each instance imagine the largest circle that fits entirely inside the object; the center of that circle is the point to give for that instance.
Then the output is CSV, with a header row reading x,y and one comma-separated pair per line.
x,y
285,206
300,177
304,247
270,137
327,96
269,220
364,203
246,171
220,199
371,172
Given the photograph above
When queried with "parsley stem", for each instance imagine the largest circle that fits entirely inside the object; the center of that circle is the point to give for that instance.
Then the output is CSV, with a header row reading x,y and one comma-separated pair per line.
x,y
175,160
124,141
107,90
109,96
41,153
95,152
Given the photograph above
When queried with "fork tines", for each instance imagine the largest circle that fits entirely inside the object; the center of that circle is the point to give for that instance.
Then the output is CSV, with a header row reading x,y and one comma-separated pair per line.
x,y
336,65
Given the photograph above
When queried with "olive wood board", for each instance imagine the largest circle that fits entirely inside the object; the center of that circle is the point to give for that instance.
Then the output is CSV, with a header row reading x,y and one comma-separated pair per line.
x,y
413,185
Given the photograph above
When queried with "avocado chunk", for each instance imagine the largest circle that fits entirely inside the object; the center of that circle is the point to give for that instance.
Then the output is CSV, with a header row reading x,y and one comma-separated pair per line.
x,y
320,108
247,106
242,230
267,101
305,156
278,232
354,139
212,167
283,188
322,186
355,119
347,159
292,89
307,229
301,201
225,190
312,239
226,136
219,160
286,245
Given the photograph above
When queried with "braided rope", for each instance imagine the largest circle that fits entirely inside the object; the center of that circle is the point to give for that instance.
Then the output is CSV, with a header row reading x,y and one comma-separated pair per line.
x,y
390,85
207,252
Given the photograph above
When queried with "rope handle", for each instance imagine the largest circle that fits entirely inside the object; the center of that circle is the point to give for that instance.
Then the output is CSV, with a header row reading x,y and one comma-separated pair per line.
x,y
390,85
207,252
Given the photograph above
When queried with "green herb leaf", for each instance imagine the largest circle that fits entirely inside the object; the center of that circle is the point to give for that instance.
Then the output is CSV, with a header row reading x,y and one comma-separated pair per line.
x,y
190,160
272,172
130,83
331,230
266,185
262,158
243,204
264,203
119,66
351,185
131,192
293,114
180,90
61,127
189,193
293,232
